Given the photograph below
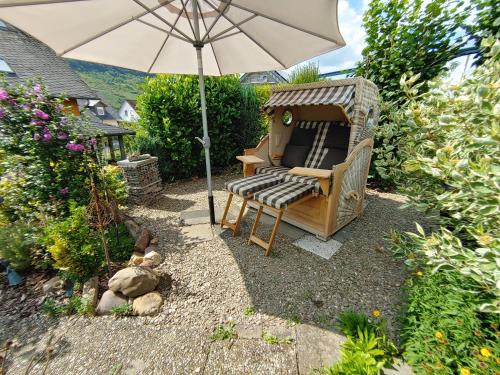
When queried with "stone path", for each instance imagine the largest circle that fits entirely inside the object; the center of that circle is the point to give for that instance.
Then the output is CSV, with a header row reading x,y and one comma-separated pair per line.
x,y
84,346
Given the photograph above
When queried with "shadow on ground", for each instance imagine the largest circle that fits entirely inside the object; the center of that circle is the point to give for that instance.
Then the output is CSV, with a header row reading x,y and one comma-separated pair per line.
x,y
302,287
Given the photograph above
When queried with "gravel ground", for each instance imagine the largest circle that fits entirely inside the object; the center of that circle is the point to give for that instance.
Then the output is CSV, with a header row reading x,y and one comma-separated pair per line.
x,y
213,282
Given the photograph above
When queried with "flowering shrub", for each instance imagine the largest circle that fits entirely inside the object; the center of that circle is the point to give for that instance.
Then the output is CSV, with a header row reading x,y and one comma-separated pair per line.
x,y
42,149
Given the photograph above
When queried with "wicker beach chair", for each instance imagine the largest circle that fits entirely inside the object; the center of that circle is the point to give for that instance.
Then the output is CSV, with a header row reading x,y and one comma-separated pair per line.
x,y
317,154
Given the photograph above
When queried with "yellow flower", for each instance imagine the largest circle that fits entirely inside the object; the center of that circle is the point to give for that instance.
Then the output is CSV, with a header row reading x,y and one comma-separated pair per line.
x,y
464,371
485,352
439,336
419,273
497,359
376,313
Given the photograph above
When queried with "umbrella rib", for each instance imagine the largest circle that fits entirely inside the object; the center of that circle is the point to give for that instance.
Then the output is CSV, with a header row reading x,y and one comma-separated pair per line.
x,y
164,42
46,2
286,23
151,11
165,31
249,37
215,21
224,36
112,28
189,21
216,36
211,47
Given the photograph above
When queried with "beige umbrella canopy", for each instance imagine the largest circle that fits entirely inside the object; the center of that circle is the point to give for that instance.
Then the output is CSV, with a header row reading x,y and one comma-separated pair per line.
x,y
158,36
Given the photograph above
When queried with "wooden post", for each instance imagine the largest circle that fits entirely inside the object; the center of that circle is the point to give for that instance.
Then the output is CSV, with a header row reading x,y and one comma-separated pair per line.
x,y
111,149
123,154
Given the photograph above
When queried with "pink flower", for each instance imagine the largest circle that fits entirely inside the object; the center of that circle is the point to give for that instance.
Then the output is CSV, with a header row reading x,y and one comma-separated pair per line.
x,y
37,137
3,94
27,107
59,107
76,147
41,114
62,136
64,191
3,113
37,88
47,136
93,142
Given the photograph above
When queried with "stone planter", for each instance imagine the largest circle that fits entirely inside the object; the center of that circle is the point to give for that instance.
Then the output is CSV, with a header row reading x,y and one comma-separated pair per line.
x,y
143,179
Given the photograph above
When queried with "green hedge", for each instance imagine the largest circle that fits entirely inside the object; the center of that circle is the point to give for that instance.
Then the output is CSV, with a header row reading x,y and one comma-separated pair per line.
x,y
171,119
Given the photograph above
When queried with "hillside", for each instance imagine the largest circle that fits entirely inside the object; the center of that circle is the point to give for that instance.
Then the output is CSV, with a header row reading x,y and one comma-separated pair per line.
x,y
113,84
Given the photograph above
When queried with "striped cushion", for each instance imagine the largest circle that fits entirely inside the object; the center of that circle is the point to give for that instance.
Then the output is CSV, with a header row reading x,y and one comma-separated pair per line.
x,y
248,185
281,195
275,171
305,180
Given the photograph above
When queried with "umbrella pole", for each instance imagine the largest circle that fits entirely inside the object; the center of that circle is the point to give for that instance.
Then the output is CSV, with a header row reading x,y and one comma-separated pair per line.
x,y
206,139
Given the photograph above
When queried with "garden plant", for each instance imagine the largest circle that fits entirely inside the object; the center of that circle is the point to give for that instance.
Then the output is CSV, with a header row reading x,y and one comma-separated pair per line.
x,y
49,159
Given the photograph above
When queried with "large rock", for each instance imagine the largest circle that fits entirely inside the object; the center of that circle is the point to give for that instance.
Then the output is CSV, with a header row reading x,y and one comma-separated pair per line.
x,y
90,290
54,285
134,281
110,300
133,228
154,257
143,240
148,304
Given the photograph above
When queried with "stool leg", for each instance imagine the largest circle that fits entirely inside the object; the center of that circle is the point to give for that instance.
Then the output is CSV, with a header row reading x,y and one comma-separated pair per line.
x,y
238,220
254,227
228,204
274,232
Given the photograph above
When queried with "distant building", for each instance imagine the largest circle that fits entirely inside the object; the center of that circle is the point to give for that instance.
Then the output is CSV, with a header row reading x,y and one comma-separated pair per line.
x,y
261,78
101,110
128,112
23,57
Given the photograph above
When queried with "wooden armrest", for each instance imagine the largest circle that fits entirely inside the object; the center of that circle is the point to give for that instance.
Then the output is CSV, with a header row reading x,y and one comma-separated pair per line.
x,y
249,159
311,172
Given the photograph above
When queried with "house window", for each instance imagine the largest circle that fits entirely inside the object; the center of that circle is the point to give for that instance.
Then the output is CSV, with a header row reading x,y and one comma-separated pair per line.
x,y
126,113
4,67
100,111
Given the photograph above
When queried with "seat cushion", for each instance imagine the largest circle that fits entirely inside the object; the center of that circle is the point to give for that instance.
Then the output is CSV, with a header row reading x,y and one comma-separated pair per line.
x,y
248,185
337,136
275,171
294,156
282,195
314,182
302,137
332,156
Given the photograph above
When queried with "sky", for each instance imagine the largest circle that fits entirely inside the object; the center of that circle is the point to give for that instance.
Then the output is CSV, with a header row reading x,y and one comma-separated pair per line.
x,y
350,13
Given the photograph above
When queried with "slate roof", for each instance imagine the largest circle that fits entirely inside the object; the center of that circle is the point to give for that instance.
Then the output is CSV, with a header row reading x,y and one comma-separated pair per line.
x,y
97,127
271,76
30,58
132,103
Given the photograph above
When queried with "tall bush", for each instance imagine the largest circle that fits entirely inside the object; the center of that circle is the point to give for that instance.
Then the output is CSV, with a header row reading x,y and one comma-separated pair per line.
x,y
405,37
305,73
171,117
451,149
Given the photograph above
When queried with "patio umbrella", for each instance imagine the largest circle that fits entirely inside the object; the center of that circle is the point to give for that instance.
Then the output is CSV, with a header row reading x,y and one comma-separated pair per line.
x,y
211,37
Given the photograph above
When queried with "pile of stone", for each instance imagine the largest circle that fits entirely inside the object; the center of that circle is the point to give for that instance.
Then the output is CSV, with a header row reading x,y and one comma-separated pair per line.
x,y
136,284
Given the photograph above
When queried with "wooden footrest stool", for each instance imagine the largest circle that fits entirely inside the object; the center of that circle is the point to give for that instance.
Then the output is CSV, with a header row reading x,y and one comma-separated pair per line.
x,y
245,188
278,198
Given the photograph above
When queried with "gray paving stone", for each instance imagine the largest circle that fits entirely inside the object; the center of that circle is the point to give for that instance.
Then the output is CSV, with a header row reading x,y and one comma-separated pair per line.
x,y
250,357
195,217
316,246
316,347
400,368
195,234
245,331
